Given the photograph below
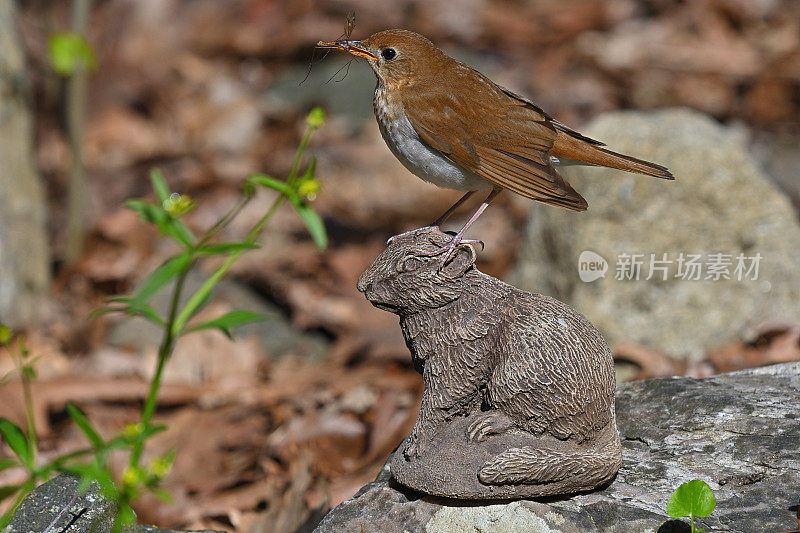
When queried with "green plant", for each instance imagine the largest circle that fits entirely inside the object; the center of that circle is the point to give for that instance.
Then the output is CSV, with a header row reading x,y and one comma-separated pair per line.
x,y
23,445
69,52
92,463
693,498
72,57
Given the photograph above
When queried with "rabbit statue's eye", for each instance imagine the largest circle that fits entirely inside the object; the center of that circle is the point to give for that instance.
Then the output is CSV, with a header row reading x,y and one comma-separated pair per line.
x,y
410,263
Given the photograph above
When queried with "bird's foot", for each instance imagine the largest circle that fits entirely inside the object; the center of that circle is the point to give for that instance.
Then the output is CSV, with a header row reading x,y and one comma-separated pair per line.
x,y
448,249
424,229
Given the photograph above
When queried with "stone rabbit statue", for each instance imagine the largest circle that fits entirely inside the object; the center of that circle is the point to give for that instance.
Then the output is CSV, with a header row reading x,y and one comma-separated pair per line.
x,y
519,387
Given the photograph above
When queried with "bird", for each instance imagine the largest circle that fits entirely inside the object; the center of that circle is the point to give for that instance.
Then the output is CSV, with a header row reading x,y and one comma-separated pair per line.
x,y
455,128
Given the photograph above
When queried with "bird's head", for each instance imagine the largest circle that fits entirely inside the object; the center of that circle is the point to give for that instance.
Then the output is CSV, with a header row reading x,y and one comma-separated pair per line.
x,y
397,56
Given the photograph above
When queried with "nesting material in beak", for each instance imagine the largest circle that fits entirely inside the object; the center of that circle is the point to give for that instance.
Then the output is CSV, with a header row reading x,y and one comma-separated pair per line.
x,y
351,47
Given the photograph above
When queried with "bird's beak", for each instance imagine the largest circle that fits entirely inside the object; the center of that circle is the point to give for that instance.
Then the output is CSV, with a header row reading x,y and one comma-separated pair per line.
x,y
352,47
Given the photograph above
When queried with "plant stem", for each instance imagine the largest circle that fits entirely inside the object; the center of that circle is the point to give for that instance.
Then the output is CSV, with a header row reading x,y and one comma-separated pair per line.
x,y
19,356
298,156
202,293
164,351
224,221
32,438
76,127
259,227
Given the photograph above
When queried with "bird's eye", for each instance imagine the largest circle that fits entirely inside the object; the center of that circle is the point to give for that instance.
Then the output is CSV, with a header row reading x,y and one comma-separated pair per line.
x,y
388,53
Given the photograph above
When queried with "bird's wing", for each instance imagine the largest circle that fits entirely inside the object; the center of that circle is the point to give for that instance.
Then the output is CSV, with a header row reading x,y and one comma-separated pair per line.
x,y
510,148
555,123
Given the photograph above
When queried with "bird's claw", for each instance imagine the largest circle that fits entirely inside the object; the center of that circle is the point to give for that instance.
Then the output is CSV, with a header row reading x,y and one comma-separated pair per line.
x,y
449,248
424,229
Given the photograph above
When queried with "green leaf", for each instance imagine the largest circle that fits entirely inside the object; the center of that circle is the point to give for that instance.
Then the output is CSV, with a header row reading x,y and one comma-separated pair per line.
x,y
230,320
201,297
162,494
171,268
130,306
16,440
150,213
311,169
28,371
272,183
59,463
153,430
8,463
125,517
8,490
313,222
102,311
180,232
146,210
248,189
146,311
70,51
83,423
226,248
159,185
121,299
694,498
95,472
6,334
163,221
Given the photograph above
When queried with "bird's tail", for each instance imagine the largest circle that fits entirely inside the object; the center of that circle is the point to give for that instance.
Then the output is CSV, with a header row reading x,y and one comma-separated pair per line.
x,y
576,147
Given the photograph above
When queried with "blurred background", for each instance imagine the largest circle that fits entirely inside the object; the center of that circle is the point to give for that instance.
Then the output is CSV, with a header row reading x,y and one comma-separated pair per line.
x,y
296,415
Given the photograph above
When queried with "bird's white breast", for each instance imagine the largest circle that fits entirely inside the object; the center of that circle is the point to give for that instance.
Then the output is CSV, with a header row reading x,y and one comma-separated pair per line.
x,y
422,160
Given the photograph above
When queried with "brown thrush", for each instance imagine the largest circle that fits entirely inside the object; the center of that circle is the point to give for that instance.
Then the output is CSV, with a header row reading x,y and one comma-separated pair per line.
x,y
454,127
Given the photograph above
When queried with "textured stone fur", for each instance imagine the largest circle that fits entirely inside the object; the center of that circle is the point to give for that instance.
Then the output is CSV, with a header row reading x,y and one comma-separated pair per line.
x,y
513,362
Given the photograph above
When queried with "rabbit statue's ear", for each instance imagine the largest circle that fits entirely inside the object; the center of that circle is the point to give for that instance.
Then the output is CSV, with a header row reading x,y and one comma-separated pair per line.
x,y
463,259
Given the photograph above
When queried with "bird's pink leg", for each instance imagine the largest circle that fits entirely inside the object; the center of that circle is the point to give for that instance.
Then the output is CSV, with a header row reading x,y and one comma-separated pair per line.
x,y
458,238
436,223
442,219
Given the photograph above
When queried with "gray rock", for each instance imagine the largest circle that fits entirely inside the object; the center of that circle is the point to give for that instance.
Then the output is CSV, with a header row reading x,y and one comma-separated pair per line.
x,y
721,202
58,507
24,251
739,432
781,157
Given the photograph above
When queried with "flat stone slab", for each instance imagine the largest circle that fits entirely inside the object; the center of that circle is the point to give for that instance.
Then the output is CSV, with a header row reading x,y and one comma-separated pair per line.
x,y
739,432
